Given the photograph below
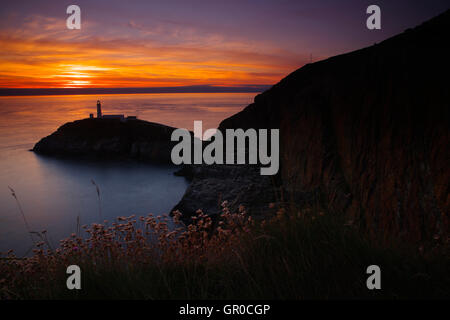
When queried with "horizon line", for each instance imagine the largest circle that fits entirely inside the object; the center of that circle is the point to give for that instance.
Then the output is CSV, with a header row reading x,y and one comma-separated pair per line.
x,y
132,90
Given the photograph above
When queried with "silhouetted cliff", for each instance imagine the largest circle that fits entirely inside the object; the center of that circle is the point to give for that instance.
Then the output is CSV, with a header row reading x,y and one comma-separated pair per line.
x,y
368,132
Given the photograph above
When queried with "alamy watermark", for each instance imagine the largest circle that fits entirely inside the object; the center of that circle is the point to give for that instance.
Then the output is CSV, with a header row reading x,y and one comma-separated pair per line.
x,y
74,20
74,280
235,143
373,22
374,280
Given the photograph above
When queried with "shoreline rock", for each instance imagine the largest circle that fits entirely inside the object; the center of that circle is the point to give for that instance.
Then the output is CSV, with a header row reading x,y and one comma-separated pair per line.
x,y
103,138
239,185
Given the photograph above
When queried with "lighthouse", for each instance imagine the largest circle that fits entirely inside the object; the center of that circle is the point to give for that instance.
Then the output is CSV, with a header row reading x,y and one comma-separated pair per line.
x,y
99,109
120,117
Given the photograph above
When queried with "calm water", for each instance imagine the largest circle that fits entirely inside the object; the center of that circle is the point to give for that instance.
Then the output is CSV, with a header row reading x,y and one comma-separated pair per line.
x,y
54,192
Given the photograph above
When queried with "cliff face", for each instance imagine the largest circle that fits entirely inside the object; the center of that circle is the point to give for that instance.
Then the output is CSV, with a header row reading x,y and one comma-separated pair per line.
x,y
368,132
109,137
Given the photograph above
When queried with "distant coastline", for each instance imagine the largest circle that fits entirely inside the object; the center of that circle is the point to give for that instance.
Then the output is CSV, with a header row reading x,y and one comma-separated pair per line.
x,y
83,91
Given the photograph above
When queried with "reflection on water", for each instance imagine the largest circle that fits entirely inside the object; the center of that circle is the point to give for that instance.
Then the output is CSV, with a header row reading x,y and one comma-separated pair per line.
x,y
54,192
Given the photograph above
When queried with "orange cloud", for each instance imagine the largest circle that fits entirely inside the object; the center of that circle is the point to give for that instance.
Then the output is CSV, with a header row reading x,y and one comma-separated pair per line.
x,y
42,53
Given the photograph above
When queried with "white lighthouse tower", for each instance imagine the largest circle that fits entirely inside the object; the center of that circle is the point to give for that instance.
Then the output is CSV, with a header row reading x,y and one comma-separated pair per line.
x,y
99,109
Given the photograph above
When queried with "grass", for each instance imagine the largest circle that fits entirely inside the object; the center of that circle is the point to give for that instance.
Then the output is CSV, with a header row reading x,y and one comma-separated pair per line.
x,y
295,255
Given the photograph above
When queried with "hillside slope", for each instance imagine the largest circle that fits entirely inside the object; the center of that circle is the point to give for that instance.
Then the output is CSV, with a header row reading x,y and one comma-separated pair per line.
x,y
368,132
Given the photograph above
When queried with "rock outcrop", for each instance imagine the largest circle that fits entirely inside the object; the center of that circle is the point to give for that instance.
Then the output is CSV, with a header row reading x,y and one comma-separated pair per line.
x,y
211,185
110,137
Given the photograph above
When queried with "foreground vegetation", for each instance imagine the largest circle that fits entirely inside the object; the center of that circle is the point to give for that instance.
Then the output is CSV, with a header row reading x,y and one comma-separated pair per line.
x,y
295,255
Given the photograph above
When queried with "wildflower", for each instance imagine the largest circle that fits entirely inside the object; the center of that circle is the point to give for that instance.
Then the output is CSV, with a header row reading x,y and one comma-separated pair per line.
x,y
280,213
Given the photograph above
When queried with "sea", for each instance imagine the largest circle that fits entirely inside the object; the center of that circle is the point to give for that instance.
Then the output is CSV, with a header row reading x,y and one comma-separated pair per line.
x,y
57,195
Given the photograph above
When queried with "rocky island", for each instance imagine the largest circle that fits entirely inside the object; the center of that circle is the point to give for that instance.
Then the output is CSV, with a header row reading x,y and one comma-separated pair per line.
x,y
102,138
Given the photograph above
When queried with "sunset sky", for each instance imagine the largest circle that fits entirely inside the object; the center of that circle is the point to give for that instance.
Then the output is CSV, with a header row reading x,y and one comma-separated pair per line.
x,y
183,43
